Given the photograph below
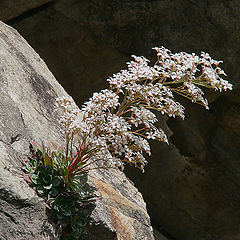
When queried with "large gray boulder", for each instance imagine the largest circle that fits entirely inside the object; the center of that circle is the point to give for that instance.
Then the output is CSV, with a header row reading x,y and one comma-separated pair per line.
x,y
28,112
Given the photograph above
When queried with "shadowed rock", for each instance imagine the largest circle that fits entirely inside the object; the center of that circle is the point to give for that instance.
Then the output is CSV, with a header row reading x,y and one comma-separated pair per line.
x,y
10,9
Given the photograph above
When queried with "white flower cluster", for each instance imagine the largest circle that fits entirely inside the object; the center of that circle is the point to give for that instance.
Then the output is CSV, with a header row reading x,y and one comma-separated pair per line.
x,y
188,71
69,119
120,120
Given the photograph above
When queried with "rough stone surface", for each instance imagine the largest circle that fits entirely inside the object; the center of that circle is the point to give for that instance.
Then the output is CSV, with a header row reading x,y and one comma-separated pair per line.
x,y
86,64
10,9
122,206
27,111
191,186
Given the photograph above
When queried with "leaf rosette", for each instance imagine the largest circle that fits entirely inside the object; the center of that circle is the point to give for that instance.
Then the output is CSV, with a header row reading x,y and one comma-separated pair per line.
x,y
47,181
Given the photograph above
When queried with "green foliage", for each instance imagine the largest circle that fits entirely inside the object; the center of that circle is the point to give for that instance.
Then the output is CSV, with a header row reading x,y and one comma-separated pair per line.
x,y
64,206
73,214
47,181
66,192
80,186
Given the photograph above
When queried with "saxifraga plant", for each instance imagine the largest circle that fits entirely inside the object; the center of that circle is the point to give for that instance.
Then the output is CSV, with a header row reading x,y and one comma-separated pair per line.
x,y
114,127
68,199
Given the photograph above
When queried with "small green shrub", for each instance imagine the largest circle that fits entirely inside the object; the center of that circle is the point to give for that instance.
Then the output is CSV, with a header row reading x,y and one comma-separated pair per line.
x,y
67,196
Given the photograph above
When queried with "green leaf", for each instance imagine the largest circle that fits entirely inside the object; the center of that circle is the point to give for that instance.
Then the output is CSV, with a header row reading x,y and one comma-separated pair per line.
x,y
47,179
55,172
83,178
82,193
31,166
77,185
40,168
58,160
34,178
53,192
81,222
60,216
74,209
55,206
87,188
64,202
67,213
49,170
47,187
87,198
56,181
39,153
77,233
40,190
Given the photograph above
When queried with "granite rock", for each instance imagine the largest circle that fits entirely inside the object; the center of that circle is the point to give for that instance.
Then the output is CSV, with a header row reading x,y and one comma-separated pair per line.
x,y
28,112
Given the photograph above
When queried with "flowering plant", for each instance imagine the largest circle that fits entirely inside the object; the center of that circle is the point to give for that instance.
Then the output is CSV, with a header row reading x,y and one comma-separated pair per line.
x,y
120,120
113,127
70,199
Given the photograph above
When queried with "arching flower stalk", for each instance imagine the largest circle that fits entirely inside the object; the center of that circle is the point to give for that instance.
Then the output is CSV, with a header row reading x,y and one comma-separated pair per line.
x,y
121,119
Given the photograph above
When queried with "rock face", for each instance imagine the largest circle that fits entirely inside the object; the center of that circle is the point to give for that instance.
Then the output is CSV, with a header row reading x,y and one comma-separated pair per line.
x,y
89,60
28,111
191,186
11,8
